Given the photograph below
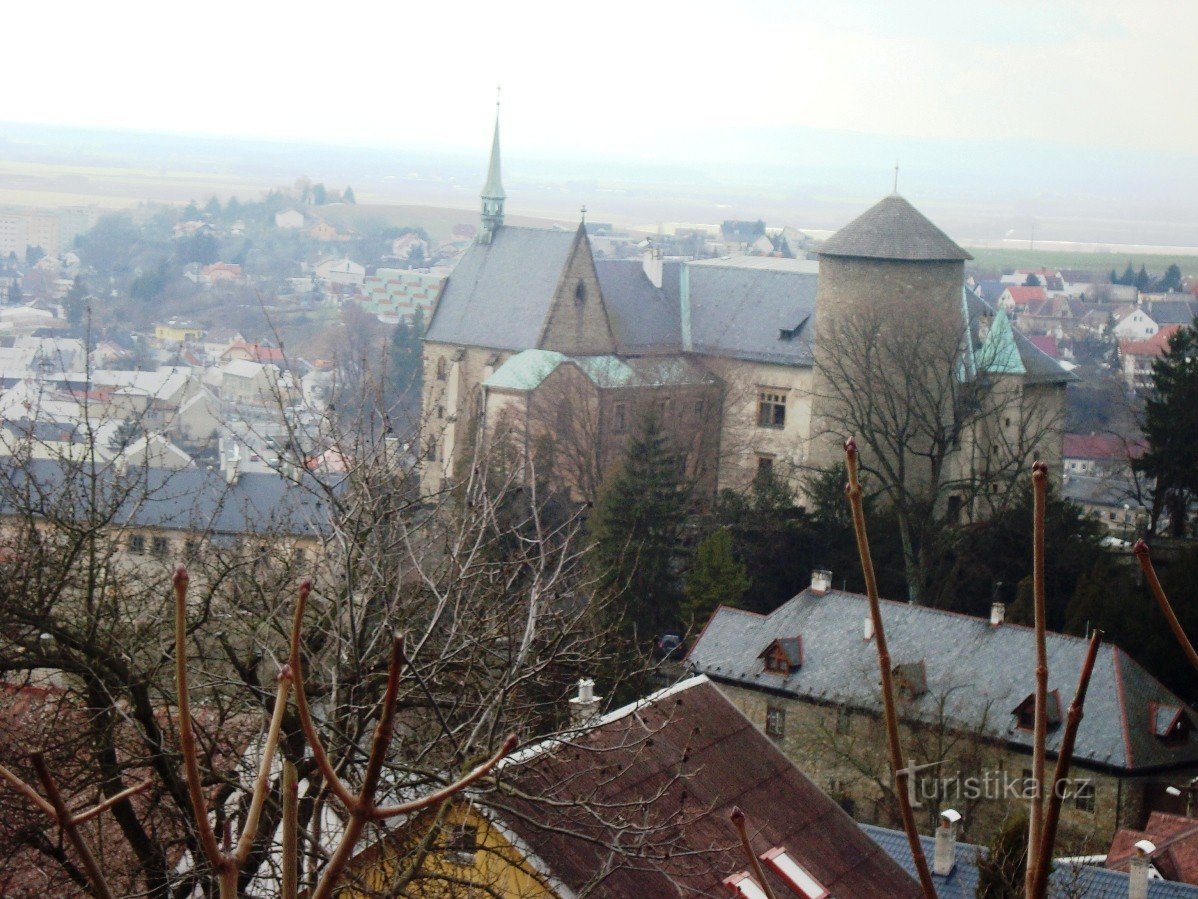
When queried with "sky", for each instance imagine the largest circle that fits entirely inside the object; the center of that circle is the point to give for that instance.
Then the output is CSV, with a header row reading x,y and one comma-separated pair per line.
x,y
628,79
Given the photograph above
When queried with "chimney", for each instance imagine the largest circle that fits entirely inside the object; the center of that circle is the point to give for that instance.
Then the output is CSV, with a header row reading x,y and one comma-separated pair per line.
x,y
821,581
867,632
998,613
652,264
945,855
1137,873
585,704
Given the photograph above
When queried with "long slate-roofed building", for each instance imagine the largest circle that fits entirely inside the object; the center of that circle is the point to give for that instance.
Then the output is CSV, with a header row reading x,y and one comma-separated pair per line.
x,y
964,685
749,322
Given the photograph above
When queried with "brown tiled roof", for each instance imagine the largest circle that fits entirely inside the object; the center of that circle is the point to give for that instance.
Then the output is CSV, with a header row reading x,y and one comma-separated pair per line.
x,y
1176,840
893,229
678,764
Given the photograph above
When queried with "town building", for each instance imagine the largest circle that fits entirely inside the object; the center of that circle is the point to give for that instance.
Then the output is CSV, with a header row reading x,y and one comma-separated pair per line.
x,y
1137,357
638,803
807,674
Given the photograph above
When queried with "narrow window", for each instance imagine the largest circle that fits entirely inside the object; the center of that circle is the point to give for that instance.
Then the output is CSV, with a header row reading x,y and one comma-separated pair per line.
x,y
580,292
775,721
441,369
765,465
1083,796
137,544
620,418
160,546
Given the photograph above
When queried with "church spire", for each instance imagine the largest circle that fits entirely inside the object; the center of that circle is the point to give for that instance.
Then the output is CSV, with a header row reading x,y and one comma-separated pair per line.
x,y
493,195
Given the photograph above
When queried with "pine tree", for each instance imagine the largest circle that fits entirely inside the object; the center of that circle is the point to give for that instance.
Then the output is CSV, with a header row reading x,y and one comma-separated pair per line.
x,y
348,196
1129,275
1143,280
1001,868
637,529
1114,277
407,364
716,578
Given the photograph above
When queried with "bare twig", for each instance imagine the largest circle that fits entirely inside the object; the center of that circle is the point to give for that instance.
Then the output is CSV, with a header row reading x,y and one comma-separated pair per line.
x,y
361,807
898,767
1145,557
1064,758
290,831
68,825
227,862
738,821
1040,732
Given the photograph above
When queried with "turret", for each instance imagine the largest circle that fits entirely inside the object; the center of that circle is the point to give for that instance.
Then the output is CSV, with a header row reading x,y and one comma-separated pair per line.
x,y
492,195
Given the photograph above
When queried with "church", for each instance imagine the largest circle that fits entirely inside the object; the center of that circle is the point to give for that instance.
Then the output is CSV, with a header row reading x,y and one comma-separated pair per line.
x,y
535,338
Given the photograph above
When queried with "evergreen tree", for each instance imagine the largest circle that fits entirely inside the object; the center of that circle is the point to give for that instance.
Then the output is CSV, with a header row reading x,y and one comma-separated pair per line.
x,y
212,207
1129,275
129,430
1143,280
15,297
74,302
1171,429
637,529
1171,281
1001,868
1114,277
348,196
716,578
1031,280
320,195
407,361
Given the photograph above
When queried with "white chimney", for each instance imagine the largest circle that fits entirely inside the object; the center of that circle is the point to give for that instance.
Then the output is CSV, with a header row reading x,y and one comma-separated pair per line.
x,y
998,613
653,265
585,704
821,580
867,631
1137,873
945,855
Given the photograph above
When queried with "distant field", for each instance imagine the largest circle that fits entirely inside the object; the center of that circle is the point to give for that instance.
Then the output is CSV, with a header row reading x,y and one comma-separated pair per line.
x,y
995,258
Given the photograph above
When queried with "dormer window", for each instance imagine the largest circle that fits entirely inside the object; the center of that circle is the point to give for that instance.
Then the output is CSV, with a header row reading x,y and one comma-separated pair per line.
x,y
1025,712
798,878
783,655
1169,723
910,680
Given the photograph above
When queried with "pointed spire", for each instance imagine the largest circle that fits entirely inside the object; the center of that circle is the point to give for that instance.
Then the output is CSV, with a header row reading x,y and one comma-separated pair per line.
x,y
493,195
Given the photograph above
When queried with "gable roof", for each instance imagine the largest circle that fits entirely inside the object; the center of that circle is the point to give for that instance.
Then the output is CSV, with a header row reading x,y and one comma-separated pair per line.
x,y
1102,447
1171,312
1156,345
643,318
1039,367
1021,295
500,293
1176,840
991,669
740,308
1071,880
680,753
893,229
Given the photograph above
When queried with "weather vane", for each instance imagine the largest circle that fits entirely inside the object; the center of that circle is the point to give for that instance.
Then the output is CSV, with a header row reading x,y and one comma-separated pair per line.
x,y
896,177
584,213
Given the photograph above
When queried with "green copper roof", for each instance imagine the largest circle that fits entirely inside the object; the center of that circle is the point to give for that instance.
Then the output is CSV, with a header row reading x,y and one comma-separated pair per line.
x,y
525,371
493,189
999,353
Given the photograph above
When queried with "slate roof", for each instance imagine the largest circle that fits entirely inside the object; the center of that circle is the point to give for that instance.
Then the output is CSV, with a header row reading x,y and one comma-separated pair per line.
x,y
991,291
643,318
192,499
741,311
499,294
680,756
893,229
1171,312
1066,880
985,671
1107,490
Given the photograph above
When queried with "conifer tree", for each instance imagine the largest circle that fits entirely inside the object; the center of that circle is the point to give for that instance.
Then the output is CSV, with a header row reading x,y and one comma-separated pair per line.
x,y
637,529
1000,870
716,578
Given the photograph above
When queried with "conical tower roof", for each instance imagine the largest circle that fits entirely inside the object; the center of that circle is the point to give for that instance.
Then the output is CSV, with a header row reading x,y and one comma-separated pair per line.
x,y
493,189
893,229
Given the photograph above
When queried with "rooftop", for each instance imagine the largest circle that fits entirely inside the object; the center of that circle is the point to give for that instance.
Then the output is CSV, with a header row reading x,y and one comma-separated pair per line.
x,y
893,229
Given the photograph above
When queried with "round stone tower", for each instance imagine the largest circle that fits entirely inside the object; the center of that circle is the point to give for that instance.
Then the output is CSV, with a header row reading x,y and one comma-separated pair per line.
x,y
889,316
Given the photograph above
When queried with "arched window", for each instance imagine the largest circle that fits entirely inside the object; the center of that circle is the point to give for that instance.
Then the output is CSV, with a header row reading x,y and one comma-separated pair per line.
x,y
441,368
580,292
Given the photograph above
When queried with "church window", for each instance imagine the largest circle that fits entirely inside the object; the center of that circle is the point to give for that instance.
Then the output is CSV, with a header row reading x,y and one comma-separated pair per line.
x,y
441,369
771,410
620,418
580,292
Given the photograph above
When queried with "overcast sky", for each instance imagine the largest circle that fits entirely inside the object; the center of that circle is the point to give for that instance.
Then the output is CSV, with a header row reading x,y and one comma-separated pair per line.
x,y
625,78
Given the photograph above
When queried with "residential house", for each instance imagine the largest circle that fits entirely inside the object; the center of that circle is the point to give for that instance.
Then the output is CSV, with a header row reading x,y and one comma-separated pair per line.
x,y
220,273
1134,323
323,231
244,351
956,870
290,219
1016,296
342,272
177,332
251,383
1138,355
1174,839
964,688
1100,454
1112,499
638,803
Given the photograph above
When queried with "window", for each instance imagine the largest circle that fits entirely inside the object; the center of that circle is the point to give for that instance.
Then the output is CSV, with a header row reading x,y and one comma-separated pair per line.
x,y
771,410
765,465
620,418
1083,796
580,292
700,408
191,548
462,844
776,662
1007,421
441,369
440,412
160,546
137,544
775,721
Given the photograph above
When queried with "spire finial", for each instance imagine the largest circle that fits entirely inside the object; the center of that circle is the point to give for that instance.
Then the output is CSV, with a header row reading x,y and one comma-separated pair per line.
x,y
584,213
498,96
896,167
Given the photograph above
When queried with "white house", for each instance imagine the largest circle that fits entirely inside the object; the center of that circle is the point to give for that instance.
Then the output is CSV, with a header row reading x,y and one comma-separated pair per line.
x,y
341,271
291,218
1133,323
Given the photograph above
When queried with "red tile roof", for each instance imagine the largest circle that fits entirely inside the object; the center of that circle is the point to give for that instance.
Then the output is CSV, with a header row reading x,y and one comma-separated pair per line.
x,y
1110,447
1176,839
1046,344
1156,345
1021,295
678,765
